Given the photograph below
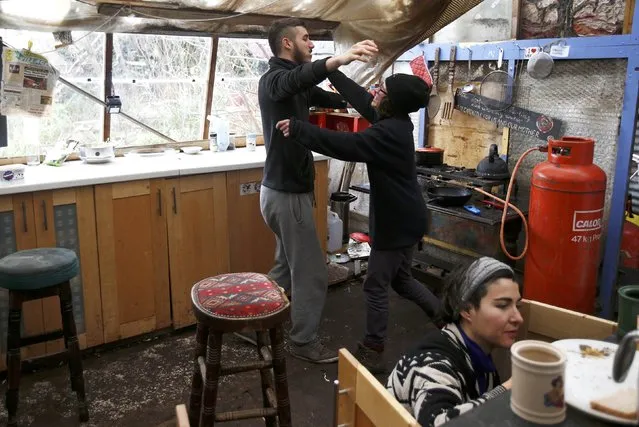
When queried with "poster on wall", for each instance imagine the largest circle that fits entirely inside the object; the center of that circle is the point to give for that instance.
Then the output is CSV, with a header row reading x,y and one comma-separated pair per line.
x,y
28,81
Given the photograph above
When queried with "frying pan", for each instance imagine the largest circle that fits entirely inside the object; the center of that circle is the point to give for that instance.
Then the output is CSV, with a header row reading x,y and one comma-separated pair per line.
x,y
449,196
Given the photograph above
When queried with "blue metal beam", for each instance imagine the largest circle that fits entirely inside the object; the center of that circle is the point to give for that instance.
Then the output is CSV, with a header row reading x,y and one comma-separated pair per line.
x,y
411,53
596,47
616,219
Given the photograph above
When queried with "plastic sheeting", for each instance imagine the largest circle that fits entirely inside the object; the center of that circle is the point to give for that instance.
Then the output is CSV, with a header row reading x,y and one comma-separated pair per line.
x,y
395,25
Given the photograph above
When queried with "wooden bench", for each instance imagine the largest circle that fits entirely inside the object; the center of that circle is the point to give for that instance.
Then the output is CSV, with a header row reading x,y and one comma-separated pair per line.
x,y
549,323
362,401
181,416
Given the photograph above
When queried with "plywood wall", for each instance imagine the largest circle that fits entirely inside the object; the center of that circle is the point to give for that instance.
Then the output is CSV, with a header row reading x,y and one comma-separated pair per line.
x,y
464,138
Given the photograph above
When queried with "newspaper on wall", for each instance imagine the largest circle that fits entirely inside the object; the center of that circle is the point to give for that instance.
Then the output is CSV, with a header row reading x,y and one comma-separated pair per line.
x,y
28,81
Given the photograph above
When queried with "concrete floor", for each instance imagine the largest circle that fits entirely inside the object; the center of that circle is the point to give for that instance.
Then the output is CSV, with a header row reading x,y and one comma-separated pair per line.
x,y
139,385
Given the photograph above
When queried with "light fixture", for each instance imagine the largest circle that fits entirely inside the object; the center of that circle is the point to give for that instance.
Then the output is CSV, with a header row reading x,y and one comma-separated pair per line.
x,y
113,104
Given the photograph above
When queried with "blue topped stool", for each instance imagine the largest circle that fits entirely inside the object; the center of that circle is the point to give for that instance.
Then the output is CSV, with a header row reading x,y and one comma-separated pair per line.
x,y
35,274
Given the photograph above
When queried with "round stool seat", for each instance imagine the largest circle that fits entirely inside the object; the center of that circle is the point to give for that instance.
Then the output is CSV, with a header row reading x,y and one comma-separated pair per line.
x,y
38,268
233,300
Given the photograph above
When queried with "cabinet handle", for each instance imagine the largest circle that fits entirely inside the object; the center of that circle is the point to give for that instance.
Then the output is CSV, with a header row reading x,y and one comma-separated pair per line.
x,y
174,201
24,217
159,202
44,212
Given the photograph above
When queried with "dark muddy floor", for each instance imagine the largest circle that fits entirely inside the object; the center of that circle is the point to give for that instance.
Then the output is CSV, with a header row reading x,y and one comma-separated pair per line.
x,y
139,385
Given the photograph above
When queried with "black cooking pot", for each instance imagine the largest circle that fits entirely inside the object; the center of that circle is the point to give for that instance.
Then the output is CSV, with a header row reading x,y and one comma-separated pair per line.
x,y
449,196
429,156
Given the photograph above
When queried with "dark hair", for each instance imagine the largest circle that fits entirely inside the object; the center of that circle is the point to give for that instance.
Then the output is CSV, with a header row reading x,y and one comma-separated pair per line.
x,y
454,283
279,29
385,108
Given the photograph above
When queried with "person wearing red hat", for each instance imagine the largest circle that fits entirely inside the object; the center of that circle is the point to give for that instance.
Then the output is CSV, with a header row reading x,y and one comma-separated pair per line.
x,y
397,209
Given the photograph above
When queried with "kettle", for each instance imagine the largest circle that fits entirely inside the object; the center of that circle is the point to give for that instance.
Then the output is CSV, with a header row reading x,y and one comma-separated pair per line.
x,y
493,166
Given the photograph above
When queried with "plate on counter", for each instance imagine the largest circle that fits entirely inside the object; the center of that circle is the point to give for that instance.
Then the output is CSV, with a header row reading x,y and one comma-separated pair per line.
x,y
98,160
589,375
192,149
148,152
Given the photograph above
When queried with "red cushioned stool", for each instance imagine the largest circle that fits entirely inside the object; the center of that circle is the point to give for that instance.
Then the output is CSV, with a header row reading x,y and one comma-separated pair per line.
x,y
239,302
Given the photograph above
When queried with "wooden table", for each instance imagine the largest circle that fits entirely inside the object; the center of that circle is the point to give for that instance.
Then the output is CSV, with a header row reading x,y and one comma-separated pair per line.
x,y
497,413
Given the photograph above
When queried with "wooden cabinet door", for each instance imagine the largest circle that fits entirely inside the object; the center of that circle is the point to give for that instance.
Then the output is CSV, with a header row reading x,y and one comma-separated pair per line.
x,y
198,236
17,232
252,243
133,256
66,219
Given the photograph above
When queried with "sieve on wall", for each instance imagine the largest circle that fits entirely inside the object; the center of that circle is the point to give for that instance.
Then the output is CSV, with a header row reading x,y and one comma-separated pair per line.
x,y
497,87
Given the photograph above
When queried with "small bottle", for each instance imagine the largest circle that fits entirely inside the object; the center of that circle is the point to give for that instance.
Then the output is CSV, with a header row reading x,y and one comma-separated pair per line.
x,y
213,141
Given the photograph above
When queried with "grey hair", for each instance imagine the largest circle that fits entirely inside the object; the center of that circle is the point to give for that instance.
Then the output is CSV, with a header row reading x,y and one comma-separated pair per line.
x,y
467,285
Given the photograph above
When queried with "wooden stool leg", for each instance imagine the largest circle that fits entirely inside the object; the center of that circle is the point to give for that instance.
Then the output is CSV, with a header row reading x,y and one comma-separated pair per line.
x,y
267,379
281,384
213,361
13,357
73,349
195,401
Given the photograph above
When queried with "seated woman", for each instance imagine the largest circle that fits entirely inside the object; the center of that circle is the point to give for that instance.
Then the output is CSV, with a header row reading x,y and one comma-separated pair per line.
x,y
452,371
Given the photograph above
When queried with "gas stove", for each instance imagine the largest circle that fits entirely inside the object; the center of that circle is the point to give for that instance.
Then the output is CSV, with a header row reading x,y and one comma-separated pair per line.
x,y
434,176
447,172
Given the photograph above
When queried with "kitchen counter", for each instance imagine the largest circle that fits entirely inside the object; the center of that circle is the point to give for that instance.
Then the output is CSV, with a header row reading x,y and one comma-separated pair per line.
x,y
130,168
145,229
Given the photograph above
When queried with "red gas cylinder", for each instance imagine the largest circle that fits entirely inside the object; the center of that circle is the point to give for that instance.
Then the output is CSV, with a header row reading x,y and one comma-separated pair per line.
x,y
565,222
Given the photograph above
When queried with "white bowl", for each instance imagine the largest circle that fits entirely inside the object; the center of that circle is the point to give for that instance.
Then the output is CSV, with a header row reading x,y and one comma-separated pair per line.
x,y
96,151
192,149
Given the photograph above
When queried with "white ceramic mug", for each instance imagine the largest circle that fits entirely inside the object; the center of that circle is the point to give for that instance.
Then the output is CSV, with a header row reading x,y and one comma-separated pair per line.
x,y
538,376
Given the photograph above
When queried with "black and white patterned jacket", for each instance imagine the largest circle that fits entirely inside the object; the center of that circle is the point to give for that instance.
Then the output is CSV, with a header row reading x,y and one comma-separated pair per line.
x,y
437,382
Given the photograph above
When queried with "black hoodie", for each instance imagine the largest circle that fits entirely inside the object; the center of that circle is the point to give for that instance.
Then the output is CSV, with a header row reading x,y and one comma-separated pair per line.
x,y
288,90
397,212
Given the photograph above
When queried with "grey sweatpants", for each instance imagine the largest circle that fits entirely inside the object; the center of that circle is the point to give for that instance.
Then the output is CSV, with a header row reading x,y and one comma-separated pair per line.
x,y
300,265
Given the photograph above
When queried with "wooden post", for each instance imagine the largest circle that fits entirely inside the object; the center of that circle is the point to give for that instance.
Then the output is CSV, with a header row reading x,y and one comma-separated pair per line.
x,y
505,139
108,84
211,85
628,14
514,25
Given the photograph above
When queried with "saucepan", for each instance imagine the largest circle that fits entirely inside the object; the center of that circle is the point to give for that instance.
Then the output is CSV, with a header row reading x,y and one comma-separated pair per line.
x,y
449,196
429,156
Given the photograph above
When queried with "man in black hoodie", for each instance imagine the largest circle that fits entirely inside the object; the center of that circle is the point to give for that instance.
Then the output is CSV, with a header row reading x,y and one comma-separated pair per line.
x,y
397,216
288,89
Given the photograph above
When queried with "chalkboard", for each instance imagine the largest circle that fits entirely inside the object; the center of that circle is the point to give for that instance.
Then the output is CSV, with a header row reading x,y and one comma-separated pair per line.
x,y
517,119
